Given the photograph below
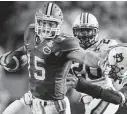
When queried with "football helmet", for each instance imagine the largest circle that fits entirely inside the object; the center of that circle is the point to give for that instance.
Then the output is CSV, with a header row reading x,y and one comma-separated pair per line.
x,y
48,20
117,62
86,28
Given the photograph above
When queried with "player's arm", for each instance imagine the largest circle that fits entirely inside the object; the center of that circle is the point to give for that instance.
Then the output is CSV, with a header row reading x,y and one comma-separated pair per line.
x,y
76,53
116,97
14,60
89,58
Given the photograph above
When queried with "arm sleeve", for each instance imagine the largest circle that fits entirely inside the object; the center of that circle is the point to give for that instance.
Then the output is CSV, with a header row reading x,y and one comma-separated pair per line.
x,y
124,91
88,88
98,92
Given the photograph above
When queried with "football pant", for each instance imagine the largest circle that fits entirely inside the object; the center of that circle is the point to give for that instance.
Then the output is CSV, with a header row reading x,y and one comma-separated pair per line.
x,y
98,106
39,106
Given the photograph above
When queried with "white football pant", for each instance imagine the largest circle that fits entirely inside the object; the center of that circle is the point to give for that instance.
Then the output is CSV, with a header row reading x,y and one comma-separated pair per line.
x,y
39,106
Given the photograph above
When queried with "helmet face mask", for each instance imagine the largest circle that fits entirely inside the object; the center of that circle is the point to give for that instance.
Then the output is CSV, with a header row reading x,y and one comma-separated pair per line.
x,y
86,35
86,29
48,21
47,29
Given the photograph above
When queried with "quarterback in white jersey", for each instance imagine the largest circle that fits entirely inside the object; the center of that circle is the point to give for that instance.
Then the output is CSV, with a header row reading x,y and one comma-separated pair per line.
x,y
86,29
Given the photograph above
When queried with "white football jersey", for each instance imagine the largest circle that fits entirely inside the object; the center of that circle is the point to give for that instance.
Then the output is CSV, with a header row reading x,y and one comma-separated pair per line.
x,y
94,75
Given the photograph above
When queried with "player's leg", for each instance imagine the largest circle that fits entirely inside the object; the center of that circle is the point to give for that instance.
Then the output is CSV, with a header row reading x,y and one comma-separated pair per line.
x,y
67,108
85,100
111,109
98,106
50,107
58,107
17,105
4,99
14,107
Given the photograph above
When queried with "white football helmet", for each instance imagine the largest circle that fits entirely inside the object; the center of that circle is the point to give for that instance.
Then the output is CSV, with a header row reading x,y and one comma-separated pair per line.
x,y
117,62
48,20
86,28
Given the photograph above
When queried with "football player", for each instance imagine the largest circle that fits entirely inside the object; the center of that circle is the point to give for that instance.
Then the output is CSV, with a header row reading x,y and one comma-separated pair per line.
x,y
114,67
86,29
49,55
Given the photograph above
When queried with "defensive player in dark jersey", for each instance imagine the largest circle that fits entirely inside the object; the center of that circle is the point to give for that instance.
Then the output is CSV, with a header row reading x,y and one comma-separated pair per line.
x,y
49,55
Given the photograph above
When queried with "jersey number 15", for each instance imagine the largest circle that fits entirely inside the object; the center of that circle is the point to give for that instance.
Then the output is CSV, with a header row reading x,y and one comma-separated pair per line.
x,y
37,67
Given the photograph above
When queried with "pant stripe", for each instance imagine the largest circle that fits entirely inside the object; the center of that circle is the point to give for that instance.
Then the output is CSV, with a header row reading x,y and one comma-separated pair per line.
x,y
100,108
92,111
105,108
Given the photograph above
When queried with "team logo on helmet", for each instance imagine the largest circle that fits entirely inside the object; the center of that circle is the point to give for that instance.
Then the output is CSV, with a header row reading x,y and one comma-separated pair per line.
x,y
118,57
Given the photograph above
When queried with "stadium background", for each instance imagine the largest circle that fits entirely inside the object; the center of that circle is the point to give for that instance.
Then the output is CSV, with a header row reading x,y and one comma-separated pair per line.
x,y
15,16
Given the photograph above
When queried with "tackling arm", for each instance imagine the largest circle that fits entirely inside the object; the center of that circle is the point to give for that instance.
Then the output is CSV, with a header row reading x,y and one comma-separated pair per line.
x,y
116,97
14,60
89,58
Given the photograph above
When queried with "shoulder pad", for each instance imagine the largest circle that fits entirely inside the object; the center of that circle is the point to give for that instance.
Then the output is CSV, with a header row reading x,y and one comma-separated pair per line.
x,y
63,36
114,42
108,42
120,44
66,45
32,25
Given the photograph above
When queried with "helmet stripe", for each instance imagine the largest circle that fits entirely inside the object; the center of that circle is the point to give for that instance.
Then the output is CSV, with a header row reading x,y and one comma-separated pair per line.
x,y
87,17
81,18
49,8
46,9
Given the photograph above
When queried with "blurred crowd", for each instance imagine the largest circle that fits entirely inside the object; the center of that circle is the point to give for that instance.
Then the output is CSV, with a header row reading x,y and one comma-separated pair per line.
x,y
16,16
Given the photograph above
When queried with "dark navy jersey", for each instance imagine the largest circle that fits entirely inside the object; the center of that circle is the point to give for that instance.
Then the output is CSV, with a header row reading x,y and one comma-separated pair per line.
x,y
48,64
